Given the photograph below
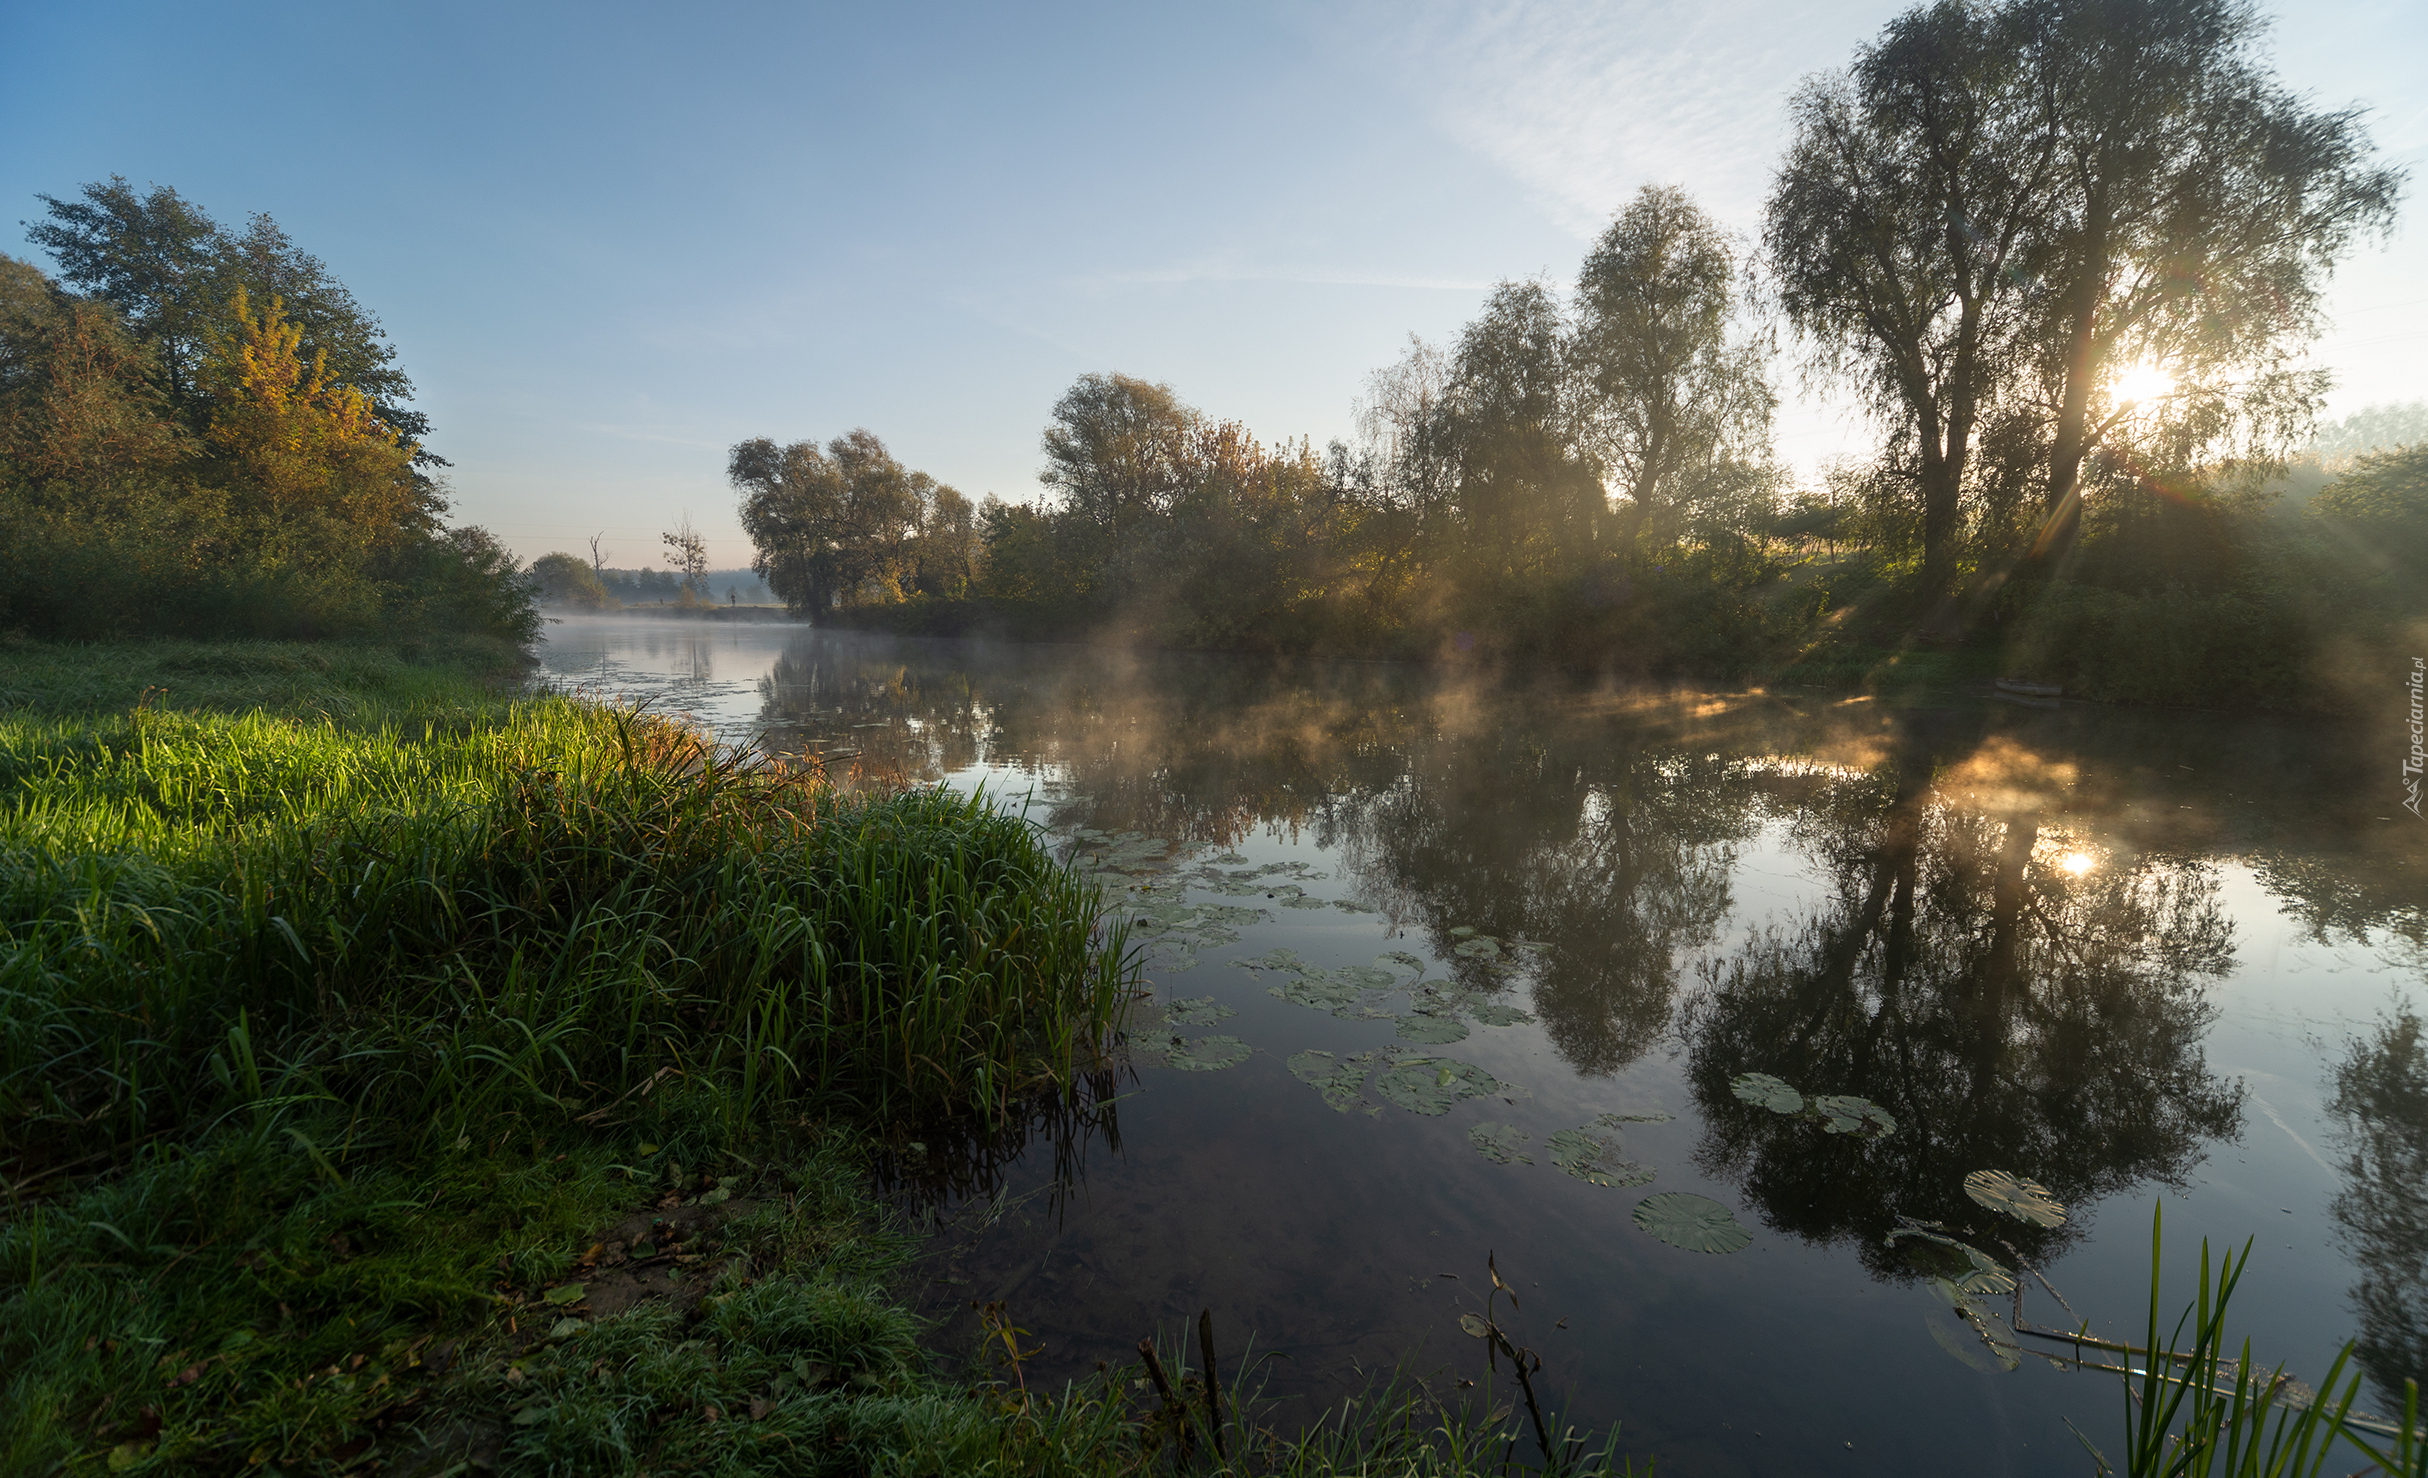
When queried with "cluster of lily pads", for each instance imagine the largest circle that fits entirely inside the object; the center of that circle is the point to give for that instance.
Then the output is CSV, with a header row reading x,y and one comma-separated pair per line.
x,y
1591,1153
1148,887
1836,1113
1438,1010
1419,1083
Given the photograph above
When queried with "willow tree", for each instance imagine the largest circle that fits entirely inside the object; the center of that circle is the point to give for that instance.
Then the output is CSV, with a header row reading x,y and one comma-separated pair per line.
x,y
826,521
1897,231
2196,210
1529,503
1671,399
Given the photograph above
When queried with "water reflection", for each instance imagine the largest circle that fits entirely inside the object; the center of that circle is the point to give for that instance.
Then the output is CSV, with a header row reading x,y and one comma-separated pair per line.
x,y
2017,1002
2381,1097
2015,929
1615,849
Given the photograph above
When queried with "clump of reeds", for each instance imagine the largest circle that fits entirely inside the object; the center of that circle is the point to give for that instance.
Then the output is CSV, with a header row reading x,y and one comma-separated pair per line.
x,y
496,920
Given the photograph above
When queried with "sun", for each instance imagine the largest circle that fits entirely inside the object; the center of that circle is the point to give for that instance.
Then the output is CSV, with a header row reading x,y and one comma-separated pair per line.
x,y
2138,383
2078,863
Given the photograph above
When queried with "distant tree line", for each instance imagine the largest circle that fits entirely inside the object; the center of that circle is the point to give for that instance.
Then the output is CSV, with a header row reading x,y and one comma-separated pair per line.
x,y
202,431
568,580
2068,254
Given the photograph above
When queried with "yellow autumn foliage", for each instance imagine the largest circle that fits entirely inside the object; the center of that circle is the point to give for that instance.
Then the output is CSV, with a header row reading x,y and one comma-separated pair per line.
x,y
294,443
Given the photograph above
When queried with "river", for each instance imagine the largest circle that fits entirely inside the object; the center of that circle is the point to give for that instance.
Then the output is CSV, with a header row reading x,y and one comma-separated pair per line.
x,y
1447,967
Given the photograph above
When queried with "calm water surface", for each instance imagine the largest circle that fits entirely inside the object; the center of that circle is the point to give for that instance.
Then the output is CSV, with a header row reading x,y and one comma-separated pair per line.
x,y
2130,956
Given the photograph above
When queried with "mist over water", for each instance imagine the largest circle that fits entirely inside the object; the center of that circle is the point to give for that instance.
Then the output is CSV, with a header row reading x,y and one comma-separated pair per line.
x,y
2132,956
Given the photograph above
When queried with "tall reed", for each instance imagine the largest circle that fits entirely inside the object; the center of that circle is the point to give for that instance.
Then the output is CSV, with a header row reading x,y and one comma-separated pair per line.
x,y
521,918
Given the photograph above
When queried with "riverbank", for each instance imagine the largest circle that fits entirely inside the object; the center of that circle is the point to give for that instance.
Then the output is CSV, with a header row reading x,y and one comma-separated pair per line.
x,y
403,1070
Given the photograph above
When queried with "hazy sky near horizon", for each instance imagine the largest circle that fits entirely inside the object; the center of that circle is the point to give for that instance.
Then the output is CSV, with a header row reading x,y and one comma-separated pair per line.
x,y
611,241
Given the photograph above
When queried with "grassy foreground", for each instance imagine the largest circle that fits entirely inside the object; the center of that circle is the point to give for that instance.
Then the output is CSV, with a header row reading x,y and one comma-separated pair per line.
x,y
401,1075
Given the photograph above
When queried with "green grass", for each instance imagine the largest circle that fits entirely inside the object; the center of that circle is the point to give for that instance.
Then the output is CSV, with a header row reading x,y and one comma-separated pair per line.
x,y
355,1009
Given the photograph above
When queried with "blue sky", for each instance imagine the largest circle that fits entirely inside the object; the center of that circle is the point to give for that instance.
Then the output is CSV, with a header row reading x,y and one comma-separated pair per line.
x,y
611,241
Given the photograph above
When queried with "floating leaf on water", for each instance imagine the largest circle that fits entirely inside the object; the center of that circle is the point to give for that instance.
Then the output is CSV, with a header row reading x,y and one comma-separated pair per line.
x,y
1464,931
1764,1091
1338,1079
1594,1159
1435,1030
1499,1013
1991,1346
1346,905
1401,957
1696,1223
1365,977
2024,1200
1276,958
1843,1113
1206,1054
1655,1116
1479,948
1196,1011
1499,1143
1430,1085
1230,859
1473,1325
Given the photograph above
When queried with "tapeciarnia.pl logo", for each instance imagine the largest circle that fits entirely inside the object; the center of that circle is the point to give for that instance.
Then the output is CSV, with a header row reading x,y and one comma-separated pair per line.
x,y
2413,761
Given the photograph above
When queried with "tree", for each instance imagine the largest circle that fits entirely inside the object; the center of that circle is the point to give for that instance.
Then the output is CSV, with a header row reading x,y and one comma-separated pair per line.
x,y
2197,210
1529,498
80,406
1116,449
264,262
151,255
172,271
1671,402
291,441
687,551
829,525
564,580
1897,232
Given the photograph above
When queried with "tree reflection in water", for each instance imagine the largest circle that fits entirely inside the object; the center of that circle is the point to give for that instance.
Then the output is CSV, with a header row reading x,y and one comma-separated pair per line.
x,y
1611,846
2381,1097
2017,1004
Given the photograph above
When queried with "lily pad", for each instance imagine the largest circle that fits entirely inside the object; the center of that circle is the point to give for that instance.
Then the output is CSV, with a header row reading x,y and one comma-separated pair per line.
x,y
1338,1079
1464,931
1499,1143
1499,1013
1990,1346
2024,1200
1429,1085
1696,1223
1401,957
1434,1030
1845,1114
1764,1091
1196,1011
1479,948
1206,1054
1594,1159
